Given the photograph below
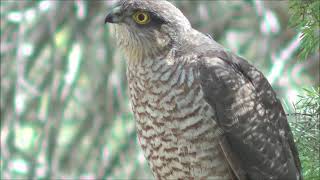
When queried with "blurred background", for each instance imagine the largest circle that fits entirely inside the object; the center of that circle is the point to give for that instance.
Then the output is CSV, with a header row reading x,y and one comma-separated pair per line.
x,y
65,112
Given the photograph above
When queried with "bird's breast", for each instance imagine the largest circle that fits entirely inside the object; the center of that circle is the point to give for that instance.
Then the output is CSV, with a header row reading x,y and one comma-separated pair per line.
x,y
176,127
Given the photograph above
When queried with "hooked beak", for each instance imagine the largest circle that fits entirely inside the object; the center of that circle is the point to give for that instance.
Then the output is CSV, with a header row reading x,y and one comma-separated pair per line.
x,y
114,16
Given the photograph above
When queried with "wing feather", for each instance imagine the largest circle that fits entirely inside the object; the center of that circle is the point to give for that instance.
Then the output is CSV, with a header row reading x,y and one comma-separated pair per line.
x,y
257,140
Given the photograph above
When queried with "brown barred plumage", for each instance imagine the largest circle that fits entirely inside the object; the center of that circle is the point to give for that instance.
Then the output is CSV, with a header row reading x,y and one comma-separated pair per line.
x,y
174,123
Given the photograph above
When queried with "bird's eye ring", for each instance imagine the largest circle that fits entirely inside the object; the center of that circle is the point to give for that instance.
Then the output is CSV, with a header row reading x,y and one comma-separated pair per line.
x,y
141,17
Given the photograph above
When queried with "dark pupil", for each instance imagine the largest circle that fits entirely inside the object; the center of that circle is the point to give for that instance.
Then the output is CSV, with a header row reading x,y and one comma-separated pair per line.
x,y
141,17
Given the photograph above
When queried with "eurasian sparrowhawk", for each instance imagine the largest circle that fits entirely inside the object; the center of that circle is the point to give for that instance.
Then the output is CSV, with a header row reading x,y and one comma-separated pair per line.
x,y
201,111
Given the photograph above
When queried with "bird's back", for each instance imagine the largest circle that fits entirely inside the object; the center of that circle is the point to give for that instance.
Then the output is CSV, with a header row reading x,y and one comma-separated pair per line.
x,y
256,138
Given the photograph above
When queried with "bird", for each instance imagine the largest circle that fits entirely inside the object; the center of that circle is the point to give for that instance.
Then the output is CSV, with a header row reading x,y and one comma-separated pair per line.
x,y
200,110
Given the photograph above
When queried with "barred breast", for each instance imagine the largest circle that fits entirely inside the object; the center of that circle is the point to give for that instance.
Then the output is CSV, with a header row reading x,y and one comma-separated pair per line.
x,y
175,126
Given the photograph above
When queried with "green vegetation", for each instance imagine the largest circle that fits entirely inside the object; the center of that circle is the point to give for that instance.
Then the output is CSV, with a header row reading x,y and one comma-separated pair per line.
x,y
306,128
306,17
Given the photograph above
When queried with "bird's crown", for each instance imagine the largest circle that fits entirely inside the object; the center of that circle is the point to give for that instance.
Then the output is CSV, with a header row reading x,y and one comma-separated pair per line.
x,y
143,12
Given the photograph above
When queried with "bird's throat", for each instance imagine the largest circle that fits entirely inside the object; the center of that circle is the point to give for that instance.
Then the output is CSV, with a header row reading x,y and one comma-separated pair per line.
x,y
139,48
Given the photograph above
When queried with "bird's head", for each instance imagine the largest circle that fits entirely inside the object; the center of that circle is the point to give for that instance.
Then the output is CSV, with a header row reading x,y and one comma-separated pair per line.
x,y
147,28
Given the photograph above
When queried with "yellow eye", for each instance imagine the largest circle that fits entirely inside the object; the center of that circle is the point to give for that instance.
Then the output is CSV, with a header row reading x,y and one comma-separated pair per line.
x,y
141,17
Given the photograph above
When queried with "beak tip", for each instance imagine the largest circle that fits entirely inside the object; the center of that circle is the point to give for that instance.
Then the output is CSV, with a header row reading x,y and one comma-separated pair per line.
x,y
108,19
113,16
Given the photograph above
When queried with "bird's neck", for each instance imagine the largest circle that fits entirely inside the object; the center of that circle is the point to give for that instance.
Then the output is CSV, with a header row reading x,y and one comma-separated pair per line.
x,y
146,60
148,52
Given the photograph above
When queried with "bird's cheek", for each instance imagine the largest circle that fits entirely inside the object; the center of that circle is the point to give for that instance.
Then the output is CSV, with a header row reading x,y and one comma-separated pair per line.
x,y
161,39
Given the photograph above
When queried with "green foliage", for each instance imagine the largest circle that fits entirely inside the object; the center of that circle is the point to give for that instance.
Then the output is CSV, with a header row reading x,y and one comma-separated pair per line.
x,y
306,127
306,17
